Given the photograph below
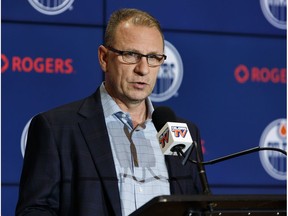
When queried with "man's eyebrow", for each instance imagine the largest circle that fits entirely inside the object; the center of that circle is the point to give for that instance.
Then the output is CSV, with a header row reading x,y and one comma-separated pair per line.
x,y
138,52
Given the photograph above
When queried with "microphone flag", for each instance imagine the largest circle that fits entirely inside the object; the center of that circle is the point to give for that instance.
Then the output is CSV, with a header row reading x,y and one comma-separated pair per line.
x,y
174,134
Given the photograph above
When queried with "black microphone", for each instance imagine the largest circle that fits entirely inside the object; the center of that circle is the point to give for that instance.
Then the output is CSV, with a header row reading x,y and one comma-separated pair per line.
x,y
161,116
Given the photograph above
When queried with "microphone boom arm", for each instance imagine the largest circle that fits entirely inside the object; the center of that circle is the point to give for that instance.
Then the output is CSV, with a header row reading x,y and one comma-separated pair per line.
x,y
238,154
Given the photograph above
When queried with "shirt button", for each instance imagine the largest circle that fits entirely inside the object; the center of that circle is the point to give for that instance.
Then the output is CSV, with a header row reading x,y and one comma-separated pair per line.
x,y
140,189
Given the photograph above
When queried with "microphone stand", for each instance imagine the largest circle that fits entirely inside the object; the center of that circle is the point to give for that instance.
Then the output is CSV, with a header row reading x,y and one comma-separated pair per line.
x,y
199,163
201,172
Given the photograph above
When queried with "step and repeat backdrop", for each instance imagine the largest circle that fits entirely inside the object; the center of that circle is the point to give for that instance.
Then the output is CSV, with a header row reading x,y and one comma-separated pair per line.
x,y
225,71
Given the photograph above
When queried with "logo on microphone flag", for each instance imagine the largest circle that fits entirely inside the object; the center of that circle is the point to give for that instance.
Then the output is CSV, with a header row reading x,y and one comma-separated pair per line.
x,y
164,138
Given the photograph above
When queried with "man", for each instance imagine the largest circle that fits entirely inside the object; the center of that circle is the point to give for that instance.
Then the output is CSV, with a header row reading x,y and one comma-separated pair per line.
x,y
100,155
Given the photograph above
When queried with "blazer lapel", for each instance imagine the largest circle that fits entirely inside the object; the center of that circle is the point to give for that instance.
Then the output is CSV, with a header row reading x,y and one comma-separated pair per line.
x,y
95,132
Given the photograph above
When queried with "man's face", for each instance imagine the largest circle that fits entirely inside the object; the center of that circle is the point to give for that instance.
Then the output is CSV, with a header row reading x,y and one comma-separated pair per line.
x,y
132,83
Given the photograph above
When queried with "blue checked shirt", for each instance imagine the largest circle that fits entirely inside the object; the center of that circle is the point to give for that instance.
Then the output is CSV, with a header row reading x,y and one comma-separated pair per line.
x,y
140,165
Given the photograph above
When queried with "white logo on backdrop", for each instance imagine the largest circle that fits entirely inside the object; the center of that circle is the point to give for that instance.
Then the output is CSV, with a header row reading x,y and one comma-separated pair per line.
x,y
275,12
170,75
274,136
51,7
24,137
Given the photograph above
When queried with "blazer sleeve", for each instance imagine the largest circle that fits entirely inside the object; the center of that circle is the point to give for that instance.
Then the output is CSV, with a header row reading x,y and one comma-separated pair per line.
x,y
195,133
39,184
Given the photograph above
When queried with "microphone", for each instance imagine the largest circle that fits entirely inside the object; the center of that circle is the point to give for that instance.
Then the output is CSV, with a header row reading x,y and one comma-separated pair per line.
x,y
174,137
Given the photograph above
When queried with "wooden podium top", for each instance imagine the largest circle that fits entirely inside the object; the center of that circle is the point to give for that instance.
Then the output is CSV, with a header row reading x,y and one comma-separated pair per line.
x,y
182,205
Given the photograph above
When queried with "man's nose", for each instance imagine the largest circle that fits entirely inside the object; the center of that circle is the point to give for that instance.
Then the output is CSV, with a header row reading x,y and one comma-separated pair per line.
x,y
142,66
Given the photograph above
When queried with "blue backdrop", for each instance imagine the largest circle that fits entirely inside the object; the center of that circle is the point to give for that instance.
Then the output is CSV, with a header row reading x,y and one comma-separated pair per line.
x,y
233,87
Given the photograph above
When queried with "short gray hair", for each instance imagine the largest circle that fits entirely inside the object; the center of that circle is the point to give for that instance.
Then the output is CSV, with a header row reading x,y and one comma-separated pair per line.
x,y
137,17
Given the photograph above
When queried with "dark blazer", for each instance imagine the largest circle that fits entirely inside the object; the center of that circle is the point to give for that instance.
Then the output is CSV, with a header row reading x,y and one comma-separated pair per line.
x,y
68,165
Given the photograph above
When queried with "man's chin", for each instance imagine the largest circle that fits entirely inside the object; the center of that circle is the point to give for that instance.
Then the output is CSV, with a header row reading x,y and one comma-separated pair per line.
x,y
137,99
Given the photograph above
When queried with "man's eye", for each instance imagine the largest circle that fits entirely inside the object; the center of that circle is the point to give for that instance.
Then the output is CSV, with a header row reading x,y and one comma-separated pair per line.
x,y
131,55
155,57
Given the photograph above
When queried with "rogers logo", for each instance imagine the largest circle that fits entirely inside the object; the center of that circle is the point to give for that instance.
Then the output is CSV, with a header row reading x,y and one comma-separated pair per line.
x,y
27,64
261,75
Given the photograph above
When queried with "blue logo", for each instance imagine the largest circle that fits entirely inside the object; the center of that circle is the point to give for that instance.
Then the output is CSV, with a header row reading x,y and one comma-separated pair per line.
x,y
275,12
49,7
274,135
170,75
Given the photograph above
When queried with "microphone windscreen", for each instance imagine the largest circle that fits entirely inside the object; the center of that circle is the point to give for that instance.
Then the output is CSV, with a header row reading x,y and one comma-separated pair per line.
x,y
161,116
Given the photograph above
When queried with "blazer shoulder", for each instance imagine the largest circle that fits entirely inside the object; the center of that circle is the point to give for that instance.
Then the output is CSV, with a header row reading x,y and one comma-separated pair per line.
x,y
72,111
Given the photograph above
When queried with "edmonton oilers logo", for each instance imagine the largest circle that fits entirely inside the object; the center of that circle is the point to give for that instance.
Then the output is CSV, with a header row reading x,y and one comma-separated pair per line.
x,y
50,7
274,136
170,75
275,12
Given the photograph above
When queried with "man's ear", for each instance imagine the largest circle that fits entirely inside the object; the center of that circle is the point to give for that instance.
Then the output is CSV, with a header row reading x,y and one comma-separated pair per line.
x,y
102,57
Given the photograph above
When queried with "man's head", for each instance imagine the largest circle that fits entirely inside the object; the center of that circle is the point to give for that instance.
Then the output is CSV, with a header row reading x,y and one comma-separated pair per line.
x,y
131,55
135,16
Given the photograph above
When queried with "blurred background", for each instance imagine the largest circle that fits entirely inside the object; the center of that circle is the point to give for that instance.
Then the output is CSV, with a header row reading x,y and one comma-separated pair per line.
x,y
225,71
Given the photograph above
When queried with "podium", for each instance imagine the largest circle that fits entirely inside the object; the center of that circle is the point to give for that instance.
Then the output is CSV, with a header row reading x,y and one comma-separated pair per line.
x,y
221,205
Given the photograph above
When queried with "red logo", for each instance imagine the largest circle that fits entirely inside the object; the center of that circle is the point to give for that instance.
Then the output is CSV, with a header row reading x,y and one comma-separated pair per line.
x,y
4,63
43,65
164,138
283,130
244,74
202,146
